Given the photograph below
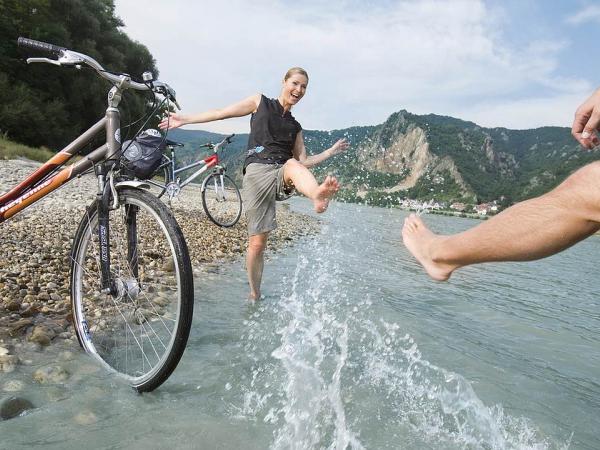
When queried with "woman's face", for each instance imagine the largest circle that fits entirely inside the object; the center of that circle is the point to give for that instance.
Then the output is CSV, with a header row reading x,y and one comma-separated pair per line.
x,y
294,88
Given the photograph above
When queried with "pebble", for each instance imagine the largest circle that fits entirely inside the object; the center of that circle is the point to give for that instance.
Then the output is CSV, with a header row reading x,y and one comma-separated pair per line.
x,y
13,386
85,418
35,258
41,335
14,407
66,355
51,375
8,363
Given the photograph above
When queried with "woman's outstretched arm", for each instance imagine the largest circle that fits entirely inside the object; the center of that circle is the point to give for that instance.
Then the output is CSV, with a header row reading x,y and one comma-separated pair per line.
x,y
312,160
239,109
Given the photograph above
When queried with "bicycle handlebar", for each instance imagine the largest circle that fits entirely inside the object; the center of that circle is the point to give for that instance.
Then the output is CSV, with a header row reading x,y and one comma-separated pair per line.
x,y
68,57
39,45
216,147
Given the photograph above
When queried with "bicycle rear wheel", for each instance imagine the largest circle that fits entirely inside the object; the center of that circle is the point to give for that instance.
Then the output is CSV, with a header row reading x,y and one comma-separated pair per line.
x,y
140,332
158,182
221,200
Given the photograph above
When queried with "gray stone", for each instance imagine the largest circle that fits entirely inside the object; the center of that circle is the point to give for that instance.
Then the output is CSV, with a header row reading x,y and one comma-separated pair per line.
x,y
51,374
8,363
13,386
42,335
14,407
169,265
85,418
13,305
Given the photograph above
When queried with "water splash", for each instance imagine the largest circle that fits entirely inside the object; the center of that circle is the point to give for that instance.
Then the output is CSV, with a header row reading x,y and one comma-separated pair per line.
x,y
333,377
313,352
438,406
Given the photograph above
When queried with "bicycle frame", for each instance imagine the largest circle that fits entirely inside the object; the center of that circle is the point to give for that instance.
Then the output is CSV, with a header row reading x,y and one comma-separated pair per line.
x,y
206,163
41,182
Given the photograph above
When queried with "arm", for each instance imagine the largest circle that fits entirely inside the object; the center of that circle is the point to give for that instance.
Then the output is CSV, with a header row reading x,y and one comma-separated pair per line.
x,y
239,109
313,160
587,121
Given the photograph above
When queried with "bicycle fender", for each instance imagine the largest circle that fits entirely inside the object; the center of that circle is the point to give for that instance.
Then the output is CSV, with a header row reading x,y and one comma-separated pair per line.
x,y
133,184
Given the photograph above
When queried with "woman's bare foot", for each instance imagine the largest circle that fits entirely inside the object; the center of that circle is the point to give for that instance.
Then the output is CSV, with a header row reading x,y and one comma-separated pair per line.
x,y
325,191
421,241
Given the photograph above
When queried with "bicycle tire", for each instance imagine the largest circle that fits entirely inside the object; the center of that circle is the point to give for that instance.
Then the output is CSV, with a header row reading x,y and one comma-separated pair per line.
x,y
139,336
222,202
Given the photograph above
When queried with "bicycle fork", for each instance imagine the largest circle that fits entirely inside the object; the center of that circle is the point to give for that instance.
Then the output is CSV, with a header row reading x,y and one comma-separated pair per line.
x,y
116,286
219,186
103,198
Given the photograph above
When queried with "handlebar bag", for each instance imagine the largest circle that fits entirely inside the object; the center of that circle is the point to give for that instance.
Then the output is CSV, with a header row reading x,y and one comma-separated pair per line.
x,y
142,156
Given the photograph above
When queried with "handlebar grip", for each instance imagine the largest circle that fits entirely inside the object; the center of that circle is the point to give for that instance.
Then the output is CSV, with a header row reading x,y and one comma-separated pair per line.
x,y
41,46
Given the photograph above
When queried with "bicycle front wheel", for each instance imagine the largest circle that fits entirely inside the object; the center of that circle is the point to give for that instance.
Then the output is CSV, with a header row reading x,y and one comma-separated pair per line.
x,y
221,200
139,331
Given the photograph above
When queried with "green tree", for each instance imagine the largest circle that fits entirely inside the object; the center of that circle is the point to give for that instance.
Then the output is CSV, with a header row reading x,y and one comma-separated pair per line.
x,y
45,105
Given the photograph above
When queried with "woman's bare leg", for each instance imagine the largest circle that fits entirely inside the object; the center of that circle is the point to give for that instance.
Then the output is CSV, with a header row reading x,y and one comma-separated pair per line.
x,y
529,230
303,180
257,244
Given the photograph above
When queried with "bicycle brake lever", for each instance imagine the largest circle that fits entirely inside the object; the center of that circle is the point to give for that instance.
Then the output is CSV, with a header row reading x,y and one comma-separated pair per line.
x,y
43,60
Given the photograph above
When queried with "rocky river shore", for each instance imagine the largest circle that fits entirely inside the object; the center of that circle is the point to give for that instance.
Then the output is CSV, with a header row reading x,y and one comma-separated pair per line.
x,y
34,260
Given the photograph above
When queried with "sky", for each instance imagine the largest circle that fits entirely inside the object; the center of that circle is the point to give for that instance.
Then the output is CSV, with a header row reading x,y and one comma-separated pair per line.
x,y
514,63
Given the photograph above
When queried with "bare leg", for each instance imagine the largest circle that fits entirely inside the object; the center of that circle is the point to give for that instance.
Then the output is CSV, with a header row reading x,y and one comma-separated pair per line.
x,y
304,181
255,263
529,230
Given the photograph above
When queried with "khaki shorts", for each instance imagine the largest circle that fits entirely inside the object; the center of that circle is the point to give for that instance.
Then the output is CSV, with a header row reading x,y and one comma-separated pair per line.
x,y
263,185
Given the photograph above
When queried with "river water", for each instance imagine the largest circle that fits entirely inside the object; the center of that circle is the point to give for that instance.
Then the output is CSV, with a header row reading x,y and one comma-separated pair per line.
x,y
354,347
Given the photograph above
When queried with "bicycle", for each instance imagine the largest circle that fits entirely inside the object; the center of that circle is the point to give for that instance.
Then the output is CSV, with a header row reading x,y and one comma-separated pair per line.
x,y
131,279
220,196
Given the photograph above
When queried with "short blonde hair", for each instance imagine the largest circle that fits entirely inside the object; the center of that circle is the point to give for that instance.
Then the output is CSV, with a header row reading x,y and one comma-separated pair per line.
x,y
295,70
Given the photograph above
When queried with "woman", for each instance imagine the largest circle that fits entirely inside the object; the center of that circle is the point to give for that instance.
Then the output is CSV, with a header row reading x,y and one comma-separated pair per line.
x,y
276,162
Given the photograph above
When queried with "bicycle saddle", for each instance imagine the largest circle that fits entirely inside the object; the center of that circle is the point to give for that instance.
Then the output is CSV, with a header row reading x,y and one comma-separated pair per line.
x,y
173,143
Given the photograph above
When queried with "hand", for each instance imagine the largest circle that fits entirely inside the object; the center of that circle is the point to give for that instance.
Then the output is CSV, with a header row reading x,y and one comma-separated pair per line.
x,y
587,120
340,146
173,120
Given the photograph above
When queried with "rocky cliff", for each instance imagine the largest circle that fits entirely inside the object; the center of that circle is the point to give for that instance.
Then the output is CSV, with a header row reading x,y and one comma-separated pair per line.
x,y
431,156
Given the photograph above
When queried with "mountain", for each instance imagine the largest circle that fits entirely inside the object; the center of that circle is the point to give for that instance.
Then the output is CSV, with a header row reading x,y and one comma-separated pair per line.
x,y
432,156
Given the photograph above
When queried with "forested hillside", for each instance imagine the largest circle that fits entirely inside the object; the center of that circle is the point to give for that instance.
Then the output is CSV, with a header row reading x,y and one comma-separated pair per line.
x,y
47,105
432,157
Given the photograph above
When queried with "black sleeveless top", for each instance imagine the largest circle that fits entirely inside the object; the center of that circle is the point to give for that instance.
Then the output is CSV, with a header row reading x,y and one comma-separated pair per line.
x,y
272,134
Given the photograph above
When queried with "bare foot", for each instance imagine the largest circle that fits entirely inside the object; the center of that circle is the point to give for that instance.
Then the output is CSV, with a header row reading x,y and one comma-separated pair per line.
x,y
325,191
420,240
252,297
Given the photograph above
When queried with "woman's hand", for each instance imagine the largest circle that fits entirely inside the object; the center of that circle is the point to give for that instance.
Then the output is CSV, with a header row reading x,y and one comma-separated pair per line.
x,y
173,120
587,121
340,146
